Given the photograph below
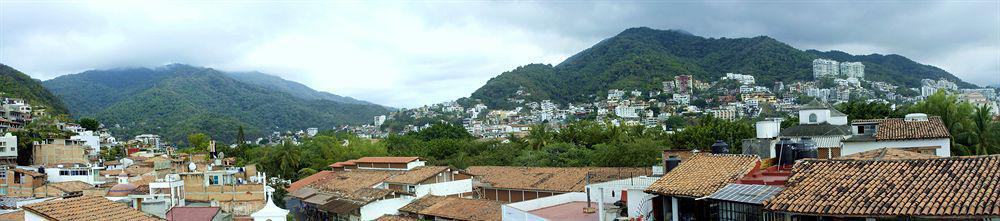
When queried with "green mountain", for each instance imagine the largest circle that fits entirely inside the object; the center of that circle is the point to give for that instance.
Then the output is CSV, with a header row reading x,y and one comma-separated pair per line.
x,y
294,88
177,100
15,84
642,58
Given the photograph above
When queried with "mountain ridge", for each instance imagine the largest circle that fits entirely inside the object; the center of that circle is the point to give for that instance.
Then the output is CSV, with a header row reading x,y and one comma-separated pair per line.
x,y
177,100
642,58
16,84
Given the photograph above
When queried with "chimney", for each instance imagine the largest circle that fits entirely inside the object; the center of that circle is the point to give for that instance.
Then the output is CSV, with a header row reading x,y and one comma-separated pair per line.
x,y
720,147
670,163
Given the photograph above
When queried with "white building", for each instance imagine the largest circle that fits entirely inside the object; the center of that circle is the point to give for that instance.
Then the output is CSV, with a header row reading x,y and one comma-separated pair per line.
x,y
825,68
915,132
149,139
90,140
379,120
930,86
823,124
683,99
627,111
312,131
8,146
74,172
853,69
742,78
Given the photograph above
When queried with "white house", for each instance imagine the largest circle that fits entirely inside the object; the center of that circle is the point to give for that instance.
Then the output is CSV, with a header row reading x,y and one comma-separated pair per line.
x,y
915,132
74,172
824,124
90,140
8,146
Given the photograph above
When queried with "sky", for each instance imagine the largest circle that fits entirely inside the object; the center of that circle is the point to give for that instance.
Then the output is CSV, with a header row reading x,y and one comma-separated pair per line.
x,y
409,54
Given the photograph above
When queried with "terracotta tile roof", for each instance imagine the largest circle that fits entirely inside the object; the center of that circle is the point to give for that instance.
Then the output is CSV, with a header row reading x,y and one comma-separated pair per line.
x,y
888,154
350,181
386,159
942,187
704,174
309,180
89,208
557,179
395,218
417,175
29,172
133,170
456,208
68,186
12,215
900,129
192,213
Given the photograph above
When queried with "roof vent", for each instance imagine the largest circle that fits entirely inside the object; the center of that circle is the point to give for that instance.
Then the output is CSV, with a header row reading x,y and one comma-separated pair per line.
x,y
916,117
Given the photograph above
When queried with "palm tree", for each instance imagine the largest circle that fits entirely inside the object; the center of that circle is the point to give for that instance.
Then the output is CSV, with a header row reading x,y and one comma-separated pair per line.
x,y
983,130
286,158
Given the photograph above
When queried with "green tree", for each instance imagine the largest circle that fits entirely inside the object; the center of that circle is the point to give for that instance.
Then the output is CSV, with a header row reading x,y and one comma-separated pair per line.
x,y
286,159
90,124
984,132
954,114
241,138
199,141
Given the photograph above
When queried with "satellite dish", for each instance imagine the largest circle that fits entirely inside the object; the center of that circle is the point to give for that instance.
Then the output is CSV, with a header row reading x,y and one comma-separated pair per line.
x,y
192,166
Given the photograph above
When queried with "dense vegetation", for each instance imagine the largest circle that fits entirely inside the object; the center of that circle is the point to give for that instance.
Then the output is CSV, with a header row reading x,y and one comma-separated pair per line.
x,y
15,84
177,100
642,58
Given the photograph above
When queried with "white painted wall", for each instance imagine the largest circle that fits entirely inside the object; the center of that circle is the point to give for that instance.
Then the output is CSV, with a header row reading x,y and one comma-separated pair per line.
x,y
514,214
30,216
445,188
376,209
856,147
821,116
90,178
9,147
90,140
841,120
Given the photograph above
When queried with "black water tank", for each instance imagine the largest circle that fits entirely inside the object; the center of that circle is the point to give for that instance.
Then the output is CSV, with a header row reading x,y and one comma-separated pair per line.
x,y
720,147
672,162
784,151
806,148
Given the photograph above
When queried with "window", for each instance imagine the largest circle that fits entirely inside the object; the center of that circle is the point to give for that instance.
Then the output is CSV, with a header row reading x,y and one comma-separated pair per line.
x,y
63,173
213,180
812,118
861,129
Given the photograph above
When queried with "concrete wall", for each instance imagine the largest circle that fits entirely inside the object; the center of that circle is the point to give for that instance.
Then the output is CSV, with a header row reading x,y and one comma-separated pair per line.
x,y
445,188
856,147
519,211
58,153
8,145
378,208
821,116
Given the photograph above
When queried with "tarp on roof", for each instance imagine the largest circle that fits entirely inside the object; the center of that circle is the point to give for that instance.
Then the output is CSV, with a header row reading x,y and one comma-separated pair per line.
x,y
745,193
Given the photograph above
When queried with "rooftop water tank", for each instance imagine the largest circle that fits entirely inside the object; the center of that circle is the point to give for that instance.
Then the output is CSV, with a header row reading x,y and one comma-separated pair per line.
x,y
720,147
784,151
916,117
806,148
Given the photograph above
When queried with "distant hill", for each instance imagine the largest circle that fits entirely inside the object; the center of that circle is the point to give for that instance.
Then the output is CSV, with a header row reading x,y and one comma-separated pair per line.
x,y
294,88
642,58
15,84
177,100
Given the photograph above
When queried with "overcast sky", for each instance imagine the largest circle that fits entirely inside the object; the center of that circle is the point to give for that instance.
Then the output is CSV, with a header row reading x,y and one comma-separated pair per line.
x,y
405,54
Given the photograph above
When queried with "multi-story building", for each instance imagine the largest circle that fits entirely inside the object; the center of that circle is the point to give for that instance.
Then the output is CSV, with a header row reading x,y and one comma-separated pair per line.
x,y
825,68
8,147
742,78
853,69
930,86
149,139
56,151
684,83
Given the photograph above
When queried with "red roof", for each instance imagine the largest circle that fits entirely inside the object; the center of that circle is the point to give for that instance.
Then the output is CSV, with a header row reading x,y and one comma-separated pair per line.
x,y
309,180
192,213
386,159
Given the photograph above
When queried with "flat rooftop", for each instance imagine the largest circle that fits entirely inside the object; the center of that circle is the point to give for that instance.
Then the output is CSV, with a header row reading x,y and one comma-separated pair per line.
x,y
567,211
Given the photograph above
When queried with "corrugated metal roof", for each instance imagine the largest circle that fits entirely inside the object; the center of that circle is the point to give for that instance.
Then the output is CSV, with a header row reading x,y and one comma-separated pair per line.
x,y
745,193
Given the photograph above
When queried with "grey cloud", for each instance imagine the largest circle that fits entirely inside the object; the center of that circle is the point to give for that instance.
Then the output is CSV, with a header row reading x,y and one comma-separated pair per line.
x,y
49,39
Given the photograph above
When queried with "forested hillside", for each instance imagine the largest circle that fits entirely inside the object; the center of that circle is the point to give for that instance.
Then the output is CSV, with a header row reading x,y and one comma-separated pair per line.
x,y
642,58
15,84
177,100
